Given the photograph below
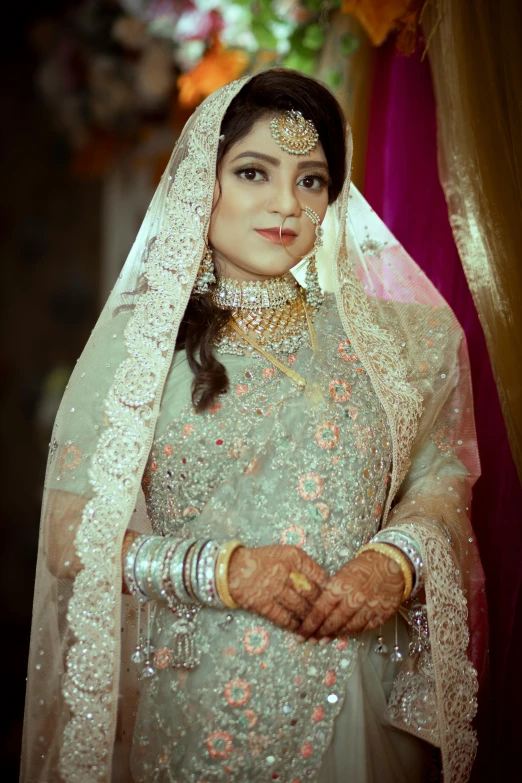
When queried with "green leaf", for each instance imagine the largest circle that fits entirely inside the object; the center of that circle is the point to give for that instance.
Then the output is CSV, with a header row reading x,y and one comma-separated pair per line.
x,y
349,44
300,62
333,78
314,37
265,37
313,5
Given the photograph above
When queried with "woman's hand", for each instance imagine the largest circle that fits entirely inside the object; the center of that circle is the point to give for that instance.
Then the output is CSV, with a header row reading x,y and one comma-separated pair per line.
x,y
362,595
263,580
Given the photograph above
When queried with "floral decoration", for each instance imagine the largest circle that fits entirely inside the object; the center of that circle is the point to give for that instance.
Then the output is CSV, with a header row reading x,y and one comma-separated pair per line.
x,y
345,351
219,744
256,640
327,435
71,457
330,678
248,719
310,486
237,693
162,658
320,512
294,535
318,714
307,750
340,390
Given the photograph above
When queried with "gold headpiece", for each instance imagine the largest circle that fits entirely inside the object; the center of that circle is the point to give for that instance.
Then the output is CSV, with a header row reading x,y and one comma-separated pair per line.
x,y
293,133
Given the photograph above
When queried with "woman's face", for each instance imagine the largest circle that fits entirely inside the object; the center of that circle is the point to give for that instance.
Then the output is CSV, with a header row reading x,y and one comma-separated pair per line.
x,y
262,186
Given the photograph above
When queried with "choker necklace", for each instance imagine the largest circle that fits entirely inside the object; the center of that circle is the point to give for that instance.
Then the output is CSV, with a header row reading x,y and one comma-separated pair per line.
x,y
255,294
267,329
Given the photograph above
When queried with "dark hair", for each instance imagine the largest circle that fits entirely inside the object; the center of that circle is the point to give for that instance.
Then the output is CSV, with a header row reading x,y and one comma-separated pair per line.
x,y
268,93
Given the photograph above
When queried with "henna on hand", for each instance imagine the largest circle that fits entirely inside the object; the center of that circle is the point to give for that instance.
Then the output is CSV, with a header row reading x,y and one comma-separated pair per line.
x,y
259,581
362,595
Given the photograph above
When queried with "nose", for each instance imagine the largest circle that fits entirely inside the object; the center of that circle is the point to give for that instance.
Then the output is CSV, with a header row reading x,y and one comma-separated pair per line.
x,y
284,201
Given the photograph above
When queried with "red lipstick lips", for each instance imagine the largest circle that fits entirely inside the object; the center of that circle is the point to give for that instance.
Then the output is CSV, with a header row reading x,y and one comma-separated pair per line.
x,y
275,236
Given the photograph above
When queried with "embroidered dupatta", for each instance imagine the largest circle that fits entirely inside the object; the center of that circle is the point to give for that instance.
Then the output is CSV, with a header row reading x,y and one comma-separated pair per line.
x,y
393,317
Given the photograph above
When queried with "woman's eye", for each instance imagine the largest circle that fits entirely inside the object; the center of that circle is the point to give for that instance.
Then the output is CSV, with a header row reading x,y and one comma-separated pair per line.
x,y
251,175
313,182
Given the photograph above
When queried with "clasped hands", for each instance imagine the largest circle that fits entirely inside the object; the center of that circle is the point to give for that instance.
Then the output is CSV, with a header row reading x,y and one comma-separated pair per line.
x,y
362,595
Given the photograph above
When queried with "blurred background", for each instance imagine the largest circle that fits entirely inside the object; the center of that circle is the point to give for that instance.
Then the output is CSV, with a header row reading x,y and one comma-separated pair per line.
x,y
93,96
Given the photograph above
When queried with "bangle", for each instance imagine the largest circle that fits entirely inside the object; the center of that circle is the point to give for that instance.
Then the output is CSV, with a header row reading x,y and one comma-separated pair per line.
x,y
166,584
142,563
156,567
206,576
195,569
409,547
222,562
129,568
402,561
177,567
152,560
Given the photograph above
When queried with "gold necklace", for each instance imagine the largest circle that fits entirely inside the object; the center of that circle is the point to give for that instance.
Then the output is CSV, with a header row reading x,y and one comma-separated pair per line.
x,y
292,374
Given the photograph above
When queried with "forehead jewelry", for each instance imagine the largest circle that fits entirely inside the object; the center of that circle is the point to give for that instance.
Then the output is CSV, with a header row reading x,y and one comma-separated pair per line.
x,y
293,133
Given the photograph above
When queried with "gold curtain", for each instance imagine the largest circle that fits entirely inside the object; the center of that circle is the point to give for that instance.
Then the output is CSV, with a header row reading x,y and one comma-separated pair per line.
x,y
476,61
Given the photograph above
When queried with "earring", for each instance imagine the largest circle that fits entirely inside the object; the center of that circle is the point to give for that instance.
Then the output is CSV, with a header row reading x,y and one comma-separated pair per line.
x,y
206,276
314,295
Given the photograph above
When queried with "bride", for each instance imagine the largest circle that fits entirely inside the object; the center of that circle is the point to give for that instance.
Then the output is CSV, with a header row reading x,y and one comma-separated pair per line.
x,y
255,555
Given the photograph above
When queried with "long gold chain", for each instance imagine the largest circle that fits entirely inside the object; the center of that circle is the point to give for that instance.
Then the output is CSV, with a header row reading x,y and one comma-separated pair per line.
x,y
292,374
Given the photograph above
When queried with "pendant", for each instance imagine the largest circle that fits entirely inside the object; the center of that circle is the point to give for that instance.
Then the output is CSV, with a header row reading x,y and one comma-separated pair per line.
x,y
138,656
380,648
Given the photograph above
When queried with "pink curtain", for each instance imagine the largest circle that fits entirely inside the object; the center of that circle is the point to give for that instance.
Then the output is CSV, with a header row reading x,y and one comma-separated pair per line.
x,y
402,185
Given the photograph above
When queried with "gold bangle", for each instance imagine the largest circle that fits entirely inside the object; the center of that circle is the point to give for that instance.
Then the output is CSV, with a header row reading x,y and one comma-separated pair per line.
x,y
222,562
398,557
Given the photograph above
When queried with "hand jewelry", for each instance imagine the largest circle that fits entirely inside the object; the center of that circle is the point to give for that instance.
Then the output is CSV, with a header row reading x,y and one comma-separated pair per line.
x,y
222,562
400,539
299,581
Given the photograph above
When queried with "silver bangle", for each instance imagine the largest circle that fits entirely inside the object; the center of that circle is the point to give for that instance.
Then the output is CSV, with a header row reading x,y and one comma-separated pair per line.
x,y
166,583
152,554
129,568
176,573
409,547
206,578
194,570
142,565
156,568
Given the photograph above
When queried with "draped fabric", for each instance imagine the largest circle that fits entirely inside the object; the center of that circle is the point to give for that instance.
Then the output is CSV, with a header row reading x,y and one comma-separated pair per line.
x,y
476,61
402,184
81,685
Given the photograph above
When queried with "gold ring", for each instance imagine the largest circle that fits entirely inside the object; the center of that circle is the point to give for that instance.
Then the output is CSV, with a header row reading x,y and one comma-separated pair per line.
x,y
299,581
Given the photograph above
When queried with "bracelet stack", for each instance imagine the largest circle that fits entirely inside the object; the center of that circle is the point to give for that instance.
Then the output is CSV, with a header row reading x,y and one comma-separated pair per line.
x,y
398,557
179,572
409,547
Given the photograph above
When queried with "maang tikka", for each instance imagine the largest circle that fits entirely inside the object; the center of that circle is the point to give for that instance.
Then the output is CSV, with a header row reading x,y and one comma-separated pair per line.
x,y
206,276
293,133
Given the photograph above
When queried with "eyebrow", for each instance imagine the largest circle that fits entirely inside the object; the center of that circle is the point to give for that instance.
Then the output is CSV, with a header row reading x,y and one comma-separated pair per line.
x,y
304,164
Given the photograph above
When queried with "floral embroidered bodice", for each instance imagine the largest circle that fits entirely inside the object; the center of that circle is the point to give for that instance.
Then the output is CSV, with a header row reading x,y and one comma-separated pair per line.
x,y
268,464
